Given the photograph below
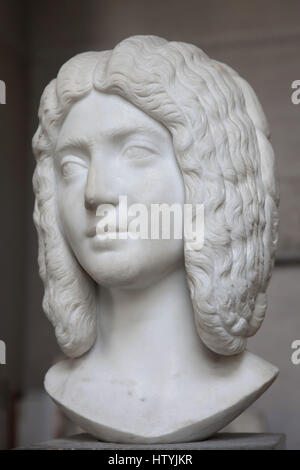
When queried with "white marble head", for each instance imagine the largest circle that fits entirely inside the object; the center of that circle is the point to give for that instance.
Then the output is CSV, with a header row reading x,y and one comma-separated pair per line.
x,y
209,123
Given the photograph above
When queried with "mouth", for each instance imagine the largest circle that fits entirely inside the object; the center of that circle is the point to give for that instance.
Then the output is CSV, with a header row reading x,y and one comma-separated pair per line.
x,y
93,232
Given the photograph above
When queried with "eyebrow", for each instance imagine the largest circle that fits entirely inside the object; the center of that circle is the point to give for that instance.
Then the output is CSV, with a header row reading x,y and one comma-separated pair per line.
x,y
73,142
84,144
136,130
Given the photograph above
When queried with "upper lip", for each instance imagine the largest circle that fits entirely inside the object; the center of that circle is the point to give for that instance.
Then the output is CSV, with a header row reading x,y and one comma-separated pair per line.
x,y
92,232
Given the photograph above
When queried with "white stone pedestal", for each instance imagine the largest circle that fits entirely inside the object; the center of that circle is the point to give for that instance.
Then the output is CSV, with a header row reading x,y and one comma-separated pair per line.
x,y
221,441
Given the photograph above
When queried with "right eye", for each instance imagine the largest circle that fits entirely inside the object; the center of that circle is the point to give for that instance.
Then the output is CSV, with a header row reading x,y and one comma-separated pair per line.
x,y
72,167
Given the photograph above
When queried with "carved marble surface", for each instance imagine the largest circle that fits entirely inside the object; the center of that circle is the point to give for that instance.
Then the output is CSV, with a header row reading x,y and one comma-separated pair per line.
x,y
155,331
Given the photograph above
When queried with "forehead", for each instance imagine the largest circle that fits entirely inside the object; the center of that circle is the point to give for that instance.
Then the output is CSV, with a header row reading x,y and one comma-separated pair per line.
x,y
106,116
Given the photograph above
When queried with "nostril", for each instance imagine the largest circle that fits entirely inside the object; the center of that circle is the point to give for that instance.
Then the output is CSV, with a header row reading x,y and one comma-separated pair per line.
x,y
89,203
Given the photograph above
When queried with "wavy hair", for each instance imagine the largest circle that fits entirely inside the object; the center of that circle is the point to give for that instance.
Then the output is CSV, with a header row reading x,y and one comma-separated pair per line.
x,y
221,142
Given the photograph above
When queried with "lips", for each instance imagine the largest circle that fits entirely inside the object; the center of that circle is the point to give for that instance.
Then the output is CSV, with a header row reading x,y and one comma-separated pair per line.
x,y
92,232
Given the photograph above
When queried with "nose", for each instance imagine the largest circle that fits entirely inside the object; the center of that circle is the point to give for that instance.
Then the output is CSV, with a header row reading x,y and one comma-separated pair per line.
x,y
100,187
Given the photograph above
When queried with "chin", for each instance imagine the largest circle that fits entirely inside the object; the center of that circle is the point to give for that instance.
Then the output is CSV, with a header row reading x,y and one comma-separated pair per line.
x,y
135,266
116,271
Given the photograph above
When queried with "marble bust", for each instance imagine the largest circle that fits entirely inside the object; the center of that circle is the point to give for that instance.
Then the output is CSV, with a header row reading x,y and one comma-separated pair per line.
x,y
155,332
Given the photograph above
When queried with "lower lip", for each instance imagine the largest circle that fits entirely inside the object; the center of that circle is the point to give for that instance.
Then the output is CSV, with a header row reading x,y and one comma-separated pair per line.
x,y
108,238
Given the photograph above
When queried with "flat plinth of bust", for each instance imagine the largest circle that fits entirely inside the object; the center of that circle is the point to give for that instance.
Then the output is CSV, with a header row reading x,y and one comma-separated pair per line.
x,y
188,406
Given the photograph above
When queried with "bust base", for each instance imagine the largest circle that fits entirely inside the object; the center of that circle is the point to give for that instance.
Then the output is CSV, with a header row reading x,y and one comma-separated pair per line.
x,y
208,401
221,441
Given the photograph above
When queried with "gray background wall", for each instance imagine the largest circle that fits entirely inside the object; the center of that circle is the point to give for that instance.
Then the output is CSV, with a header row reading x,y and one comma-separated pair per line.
x,y
261,40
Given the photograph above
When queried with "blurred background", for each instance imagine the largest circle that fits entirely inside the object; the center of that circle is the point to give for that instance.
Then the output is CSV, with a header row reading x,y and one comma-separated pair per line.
x,y
258,38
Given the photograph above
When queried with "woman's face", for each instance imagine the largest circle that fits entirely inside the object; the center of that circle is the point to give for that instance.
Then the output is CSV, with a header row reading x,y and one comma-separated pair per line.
x,y
107,149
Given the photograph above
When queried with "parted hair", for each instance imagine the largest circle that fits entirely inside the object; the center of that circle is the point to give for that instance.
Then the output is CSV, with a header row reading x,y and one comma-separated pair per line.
x,y
221,142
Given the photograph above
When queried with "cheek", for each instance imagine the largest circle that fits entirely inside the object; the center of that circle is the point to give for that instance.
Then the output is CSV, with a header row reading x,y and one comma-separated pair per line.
x,y
162,184
70,208
172,182
164,255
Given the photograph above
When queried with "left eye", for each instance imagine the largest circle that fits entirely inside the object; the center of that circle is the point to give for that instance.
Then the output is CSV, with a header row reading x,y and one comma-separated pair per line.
x,y
138,153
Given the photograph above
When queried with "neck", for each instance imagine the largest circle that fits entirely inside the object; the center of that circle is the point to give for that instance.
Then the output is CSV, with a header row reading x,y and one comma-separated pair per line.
x,y
149,331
